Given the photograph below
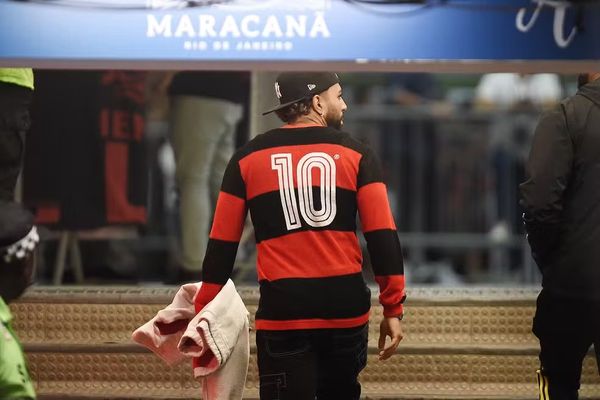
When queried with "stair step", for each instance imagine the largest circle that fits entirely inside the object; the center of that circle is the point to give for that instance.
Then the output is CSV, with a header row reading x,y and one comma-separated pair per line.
x,y
439,374
459,344
100,316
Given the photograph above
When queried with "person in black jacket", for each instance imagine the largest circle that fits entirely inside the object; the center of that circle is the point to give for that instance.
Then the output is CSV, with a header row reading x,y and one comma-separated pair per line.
x,y
561,201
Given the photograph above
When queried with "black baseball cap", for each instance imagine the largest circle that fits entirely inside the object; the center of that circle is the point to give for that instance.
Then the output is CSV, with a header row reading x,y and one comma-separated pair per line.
x,y
291,87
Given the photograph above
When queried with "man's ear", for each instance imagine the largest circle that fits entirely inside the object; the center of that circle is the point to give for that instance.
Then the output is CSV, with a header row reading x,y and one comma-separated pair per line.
x,y
317,103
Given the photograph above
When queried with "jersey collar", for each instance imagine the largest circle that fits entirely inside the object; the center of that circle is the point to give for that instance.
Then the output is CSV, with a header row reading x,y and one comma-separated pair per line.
x,y
296,126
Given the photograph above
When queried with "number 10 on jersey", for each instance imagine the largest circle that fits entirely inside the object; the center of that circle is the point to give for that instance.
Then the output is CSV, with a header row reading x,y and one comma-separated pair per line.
x,y
283,164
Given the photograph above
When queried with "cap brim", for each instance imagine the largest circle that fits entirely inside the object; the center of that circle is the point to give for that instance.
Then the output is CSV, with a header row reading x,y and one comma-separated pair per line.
x,y
284,105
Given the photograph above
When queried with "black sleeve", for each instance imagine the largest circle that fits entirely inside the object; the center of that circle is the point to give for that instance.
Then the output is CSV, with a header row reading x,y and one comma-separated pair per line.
x,y
548,172
369,168
233,183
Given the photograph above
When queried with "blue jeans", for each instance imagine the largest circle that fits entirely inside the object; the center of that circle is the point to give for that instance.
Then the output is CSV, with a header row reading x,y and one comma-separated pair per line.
x,y
311,364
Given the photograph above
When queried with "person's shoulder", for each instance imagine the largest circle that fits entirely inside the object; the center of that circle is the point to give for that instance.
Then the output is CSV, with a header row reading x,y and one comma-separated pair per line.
x,y
575,110
346,139
310,135
256,143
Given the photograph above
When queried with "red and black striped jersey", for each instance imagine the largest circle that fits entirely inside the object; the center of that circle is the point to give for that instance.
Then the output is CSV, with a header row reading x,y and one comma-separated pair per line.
x,y
303,187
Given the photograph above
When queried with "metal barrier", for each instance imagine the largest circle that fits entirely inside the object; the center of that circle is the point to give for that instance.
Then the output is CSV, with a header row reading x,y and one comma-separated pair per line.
x,y
453,179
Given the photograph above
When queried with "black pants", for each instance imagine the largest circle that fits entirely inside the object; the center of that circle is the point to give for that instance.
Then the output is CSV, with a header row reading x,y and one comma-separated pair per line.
x,y
566,328
304,365
14,122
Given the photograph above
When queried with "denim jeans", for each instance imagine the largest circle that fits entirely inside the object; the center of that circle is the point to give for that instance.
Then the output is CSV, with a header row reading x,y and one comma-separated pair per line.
x,y
313,364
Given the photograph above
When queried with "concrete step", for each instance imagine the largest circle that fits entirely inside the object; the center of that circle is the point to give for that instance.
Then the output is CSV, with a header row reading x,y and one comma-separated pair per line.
x,y
101,315
142,375
460,344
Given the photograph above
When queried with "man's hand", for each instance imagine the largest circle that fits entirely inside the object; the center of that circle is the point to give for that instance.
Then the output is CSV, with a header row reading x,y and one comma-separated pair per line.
x,y
389,327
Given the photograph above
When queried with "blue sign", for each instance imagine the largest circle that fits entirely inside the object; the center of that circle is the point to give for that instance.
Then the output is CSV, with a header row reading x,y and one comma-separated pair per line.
x,y
308,30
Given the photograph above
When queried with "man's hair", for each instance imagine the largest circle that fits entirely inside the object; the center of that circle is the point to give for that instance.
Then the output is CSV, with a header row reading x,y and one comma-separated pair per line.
x,y
294,111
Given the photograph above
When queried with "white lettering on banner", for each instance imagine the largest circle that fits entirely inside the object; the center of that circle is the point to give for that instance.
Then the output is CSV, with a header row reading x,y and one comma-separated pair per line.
x,y
207,26
245,26
185,27
320,27
272,27
296,26
231,26
560,11
161,29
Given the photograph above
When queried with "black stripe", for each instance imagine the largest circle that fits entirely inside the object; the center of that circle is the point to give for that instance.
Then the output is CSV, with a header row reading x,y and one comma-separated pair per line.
x,y
219,260
233,183
344,296
269,221
369,169
385,252
301,136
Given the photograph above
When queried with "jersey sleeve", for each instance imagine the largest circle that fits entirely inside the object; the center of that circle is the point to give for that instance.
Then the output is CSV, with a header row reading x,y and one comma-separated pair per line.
x,y
380,233
224,238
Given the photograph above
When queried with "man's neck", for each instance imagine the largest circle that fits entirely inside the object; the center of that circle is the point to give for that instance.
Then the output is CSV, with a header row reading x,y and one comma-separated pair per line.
x,y
310,119
594,76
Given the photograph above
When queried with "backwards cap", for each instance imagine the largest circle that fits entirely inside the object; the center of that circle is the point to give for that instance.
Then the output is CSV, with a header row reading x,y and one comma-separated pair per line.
x,y
291,87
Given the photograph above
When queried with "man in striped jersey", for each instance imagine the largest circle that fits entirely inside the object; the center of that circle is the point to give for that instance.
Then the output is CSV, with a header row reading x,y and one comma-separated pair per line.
x,y
303,185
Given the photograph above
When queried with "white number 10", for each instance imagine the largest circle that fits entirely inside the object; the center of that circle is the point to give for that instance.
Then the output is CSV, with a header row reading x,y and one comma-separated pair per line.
x,y
282,163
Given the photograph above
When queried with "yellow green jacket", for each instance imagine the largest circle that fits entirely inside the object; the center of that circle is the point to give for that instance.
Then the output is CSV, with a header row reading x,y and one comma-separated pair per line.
x,y
15,382
17,76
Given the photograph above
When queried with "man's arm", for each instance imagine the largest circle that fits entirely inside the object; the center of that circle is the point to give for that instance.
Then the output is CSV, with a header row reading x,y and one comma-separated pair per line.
x,y
228,224
384,248
548,171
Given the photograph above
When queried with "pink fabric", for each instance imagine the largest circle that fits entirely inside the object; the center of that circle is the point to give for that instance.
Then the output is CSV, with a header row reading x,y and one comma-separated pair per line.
x,y
217,338
180,310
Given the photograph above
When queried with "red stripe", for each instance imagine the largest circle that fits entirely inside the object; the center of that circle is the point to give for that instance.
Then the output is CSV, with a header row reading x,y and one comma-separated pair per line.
x,y
230,214
47,214
303,125
206,293
374,209
391,294
271,325
309,254
261,178
118,208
